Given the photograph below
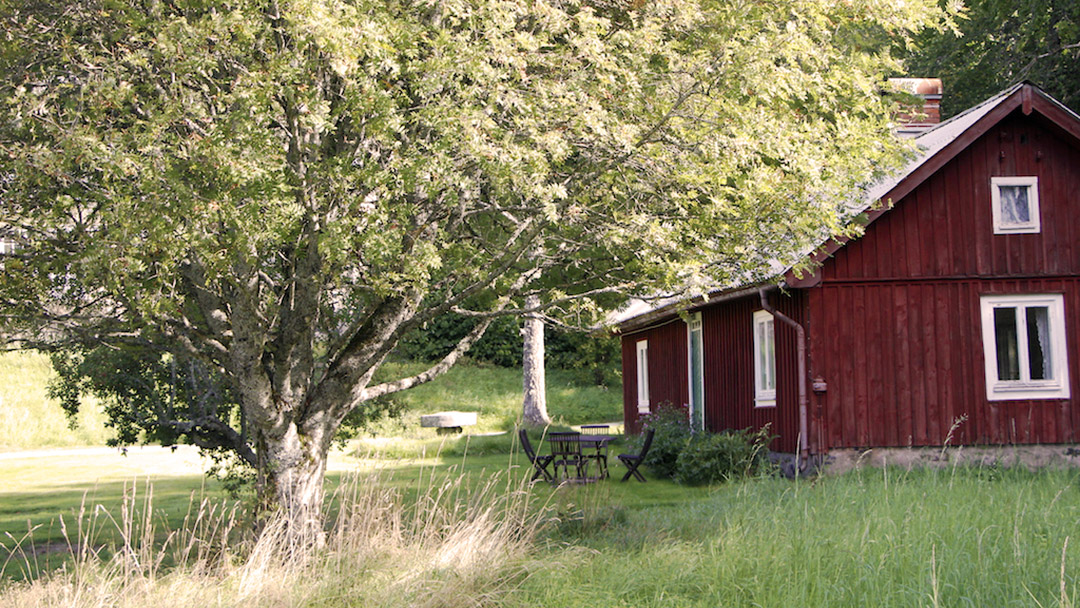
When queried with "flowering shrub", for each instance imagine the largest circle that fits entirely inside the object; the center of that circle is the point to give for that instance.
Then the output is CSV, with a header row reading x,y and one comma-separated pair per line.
x,y
672,427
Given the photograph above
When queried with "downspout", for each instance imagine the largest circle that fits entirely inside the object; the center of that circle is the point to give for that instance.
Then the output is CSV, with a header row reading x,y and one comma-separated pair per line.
x,y
800,337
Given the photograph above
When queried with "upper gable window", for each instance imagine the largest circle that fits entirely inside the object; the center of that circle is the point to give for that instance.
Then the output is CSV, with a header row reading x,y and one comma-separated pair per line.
x,y
1015,202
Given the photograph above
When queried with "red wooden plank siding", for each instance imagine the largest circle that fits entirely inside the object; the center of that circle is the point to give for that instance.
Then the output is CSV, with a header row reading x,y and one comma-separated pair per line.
x,y
946,381
729,377
667,369
629,383
898,334
915,240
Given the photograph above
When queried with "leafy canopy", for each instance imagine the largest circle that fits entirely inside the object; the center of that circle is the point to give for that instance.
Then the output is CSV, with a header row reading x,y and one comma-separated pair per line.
x,y
281,189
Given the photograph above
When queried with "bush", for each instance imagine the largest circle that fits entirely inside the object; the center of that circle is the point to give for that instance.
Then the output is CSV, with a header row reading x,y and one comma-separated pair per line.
x,y
701,458
672,426
718,457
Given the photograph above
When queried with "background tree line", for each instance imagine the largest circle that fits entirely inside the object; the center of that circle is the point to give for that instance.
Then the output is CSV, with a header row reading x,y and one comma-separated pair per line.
x,y
595,358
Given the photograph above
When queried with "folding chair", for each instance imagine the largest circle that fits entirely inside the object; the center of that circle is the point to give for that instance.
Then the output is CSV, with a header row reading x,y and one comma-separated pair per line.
x,y
540,463
566,453
633,461
598,450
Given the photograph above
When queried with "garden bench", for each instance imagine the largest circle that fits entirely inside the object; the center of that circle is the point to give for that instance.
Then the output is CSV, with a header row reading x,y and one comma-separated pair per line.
x,y
448,422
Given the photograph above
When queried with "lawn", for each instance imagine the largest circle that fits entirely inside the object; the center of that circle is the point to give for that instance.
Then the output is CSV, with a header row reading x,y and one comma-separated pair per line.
x,y
29,420
978,536
422,520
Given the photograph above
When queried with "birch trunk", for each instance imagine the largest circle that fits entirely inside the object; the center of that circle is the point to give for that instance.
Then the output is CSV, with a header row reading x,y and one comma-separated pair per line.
x,y
534,408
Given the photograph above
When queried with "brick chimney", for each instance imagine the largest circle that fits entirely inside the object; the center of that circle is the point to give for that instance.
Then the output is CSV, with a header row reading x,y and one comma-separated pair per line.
x,y
916,119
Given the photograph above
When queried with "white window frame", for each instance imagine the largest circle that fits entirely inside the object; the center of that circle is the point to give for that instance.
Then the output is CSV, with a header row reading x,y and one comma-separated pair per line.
x,y
642,376
764,394
1032,226
1025,388
697,410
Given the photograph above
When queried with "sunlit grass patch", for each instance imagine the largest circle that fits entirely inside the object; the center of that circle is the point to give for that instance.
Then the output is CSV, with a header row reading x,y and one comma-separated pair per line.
x,y
29,419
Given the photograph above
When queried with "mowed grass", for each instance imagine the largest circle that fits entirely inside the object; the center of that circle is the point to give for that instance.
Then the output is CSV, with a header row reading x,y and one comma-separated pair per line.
x,y
30,420
495,393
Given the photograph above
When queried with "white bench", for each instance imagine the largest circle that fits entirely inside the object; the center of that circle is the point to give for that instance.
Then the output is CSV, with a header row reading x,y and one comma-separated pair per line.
x,y
448,422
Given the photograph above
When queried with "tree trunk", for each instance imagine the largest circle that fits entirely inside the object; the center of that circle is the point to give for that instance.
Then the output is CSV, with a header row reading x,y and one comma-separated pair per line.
x,y
532,364
291,473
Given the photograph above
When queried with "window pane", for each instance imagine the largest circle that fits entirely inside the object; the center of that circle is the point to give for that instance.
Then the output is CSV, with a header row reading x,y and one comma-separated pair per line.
x,y
1008,361
768,359
1038,336
1014,205
697,379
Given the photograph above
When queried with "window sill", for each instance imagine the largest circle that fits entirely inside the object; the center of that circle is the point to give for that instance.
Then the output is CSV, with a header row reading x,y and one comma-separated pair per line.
x,y
1027,391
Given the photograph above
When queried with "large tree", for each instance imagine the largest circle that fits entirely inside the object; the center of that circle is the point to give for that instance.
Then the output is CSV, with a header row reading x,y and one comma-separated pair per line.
x,y
999,43
275,191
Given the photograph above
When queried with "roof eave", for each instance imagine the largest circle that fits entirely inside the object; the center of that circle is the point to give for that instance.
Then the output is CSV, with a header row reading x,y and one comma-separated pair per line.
x,y
666,313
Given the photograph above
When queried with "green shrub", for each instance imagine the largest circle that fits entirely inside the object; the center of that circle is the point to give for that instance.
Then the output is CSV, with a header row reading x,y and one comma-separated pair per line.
x,y
672,426
709,458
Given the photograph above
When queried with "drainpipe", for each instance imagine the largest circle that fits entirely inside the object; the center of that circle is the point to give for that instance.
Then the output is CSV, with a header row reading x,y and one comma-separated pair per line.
x,y
800,333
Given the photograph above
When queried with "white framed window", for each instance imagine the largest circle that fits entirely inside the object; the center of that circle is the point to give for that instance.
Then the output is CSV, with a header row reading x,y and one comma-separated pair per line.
x,y
764,360
1024,347
643,376
1015,202
695,356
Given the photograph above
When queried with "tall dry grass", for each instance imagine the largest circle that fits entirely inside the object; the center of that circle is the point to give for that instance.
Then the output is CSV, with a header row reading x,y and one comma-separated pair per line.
x,y
456,545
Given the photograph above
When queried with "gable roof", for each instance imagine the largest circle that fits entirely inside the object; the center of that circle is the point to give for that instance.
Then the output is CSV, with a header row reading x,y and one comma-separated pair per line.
x,y
936,148
939,146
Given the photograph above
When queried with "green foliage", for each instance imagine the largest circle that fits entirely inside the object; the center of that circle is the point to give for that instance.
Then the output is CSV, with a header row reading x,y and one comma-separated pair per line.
x,y
596,359
592,358
672,427
711,458
281,192
999,43
501,344
147,395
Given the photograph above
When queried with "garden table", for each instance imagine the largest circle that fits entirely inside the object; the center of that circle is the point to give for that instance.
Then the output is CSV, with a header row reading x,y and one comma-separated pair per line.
x,y
578,450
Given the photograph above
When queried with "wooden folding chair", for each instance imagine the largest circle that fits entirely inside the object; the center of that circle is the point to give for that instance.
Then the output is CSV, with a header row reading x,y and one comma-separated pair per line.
x,y
540,463
596,450
566,453
633,461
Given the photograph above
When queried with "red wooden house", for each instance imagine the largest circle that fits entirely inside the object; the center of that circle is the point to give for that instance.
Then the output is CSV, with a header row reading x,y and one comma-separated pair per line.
x,y
958,307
